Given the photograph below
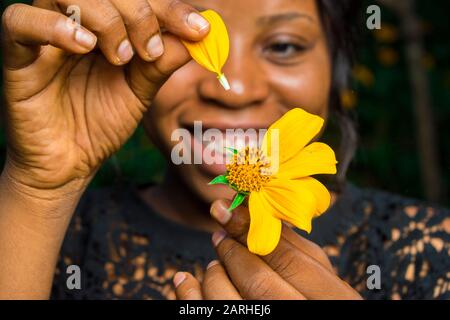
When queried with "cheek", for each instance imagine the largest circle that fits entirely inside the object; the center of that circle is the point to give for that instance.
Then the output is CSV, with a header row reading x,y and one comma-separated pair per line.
x,y
163,115
306,85
179,87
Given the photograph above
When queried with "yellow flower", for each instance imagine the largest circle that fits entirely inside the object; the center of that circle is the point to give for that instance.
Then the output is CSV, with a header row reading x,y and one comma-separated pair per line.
x,y
289,193
212,51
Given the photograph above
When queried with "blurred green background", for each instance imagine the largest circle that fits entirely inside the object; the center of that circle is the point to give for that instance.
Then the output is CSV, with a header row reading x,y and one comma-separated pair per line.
x,y
389,156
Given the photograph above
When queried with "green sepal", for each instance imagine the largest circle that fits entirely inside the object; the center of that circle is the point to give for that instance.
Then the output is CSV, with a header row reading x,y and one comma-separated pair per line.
x,y
237,201
222,179
232,186
232,150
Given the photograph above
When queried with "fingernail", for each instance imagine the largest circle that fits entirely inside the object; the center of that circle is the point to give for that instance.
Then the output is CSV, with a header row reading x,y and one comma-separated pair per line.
x,y
212,264
155,47
85,38
197,22
179,278
217,237
125,51
220,213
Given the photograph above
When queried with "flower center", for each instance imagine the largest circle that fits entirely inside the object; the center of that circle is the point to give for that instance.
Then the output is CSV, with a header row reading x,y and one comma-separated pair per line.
x,y
249,170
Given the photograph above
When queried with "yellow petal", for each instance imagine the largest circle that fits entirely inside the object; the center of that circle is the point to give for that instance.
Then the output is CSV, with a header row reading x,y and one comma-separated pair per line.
x,y
317,158
320,192
212,51
296,201
265,230
295,130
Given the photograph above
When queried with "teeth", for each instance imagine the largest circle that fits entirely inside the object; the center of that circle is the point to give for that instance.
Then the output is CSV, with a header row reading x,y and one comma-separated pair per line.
x,y
219,148
215,145
236,141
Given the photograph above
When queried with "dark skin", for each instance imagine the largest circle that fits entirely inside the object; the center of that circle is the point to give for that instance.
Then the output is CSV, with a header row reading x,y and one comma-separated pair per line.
x,y
297,269
278,60
266,81
82,105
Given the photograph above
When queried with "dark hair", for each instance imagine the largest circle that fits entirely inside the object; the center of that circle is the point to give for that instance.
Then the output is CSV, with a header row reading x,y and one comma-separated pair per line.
x,y
339,19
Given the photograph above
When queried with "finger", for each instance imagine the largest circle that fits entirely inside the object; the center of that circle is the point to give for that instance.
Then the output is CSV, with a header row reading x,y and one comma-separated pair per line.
x,y
142,27
306,270
253,277
187,287
105,21
180,19
216,284
145,78
304,266
27,28
307,275
308,247
236,224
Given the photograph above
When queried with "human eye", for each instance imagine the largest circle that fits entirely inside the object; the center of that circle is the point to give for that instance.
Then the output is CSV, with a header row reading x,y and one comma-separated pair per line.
x,y
284,50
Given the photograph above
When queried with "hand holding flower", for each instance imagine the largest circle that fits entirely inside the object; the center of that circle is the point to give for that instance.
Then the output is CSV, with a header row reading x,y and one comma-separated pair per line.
x,y
296,269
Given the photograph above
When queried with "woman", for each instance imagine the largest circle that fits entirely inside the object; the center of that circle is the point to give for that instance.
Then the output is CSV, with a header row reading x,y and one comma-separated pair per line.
x,y
70,107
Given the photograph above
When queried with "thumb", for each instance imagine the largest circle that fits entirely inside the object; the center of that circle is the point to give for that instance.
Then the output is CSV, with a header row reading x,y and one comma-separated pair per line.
x,y
146,78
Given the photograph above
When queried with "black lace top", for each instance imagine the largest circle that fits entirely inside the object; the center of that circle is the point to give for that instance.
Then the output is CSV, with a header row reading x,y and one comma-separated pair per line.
x,y
127,251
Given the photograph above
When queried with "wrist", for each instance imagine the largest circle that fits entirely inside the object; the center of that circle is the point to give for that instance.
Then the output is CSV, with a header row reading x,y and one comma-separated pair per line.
x,y
46,211
18,182
33,223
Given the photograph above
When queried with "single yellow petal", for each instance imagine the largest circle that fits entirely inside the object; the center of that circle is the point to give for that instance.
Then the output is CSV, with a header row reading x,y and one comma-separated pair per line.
x,y
295,129
296,201
320,192
316,158
265,230
220,39
212,51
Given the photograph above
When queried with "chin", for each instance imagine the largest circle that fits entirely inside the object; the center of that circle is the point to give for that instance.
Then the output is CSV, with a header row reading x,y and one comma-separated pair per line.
x,y
198,182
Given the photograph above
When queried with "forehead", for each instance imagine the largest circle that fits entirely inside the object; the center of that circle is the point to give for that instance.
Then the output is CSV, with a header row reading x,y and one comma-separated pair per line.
x,y
259,12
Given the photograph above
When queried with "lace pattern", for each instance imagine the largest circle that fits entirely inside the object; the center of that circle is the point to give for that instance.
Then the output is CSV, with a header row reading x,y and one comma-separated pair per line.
x,y
126,251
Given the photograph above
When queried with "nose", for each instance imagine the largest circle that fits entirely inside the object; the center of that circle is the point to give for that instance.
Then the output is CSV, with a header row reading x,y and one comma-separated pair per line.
x,y
247,81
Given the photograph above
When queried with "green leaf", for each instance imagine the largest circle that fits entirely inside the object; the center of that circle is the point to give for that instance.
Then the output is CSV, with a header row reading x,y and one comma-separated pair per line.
x,y
232,150
219,180
237,201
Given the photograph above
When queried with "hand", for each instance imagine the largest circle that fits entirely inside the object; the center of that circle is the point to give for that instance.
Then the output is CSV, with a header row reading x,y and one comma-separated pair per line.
x,y
69,107
298,269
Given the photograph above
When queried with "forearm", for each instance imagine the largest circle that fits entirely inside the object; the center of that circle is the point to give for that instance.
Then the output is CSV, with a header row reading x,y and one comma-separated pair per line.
x,y
32,227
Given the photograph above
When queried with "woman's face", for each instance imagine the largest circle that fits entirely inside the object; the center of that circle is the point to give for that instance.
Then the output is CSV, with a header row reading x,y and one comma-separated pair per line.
x,y
278,60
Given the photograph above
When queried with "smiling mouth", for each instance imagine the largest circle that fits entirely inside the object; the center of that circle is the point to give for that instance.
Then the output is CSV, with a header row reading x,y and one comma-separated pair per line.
x,y
221,139
215,144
